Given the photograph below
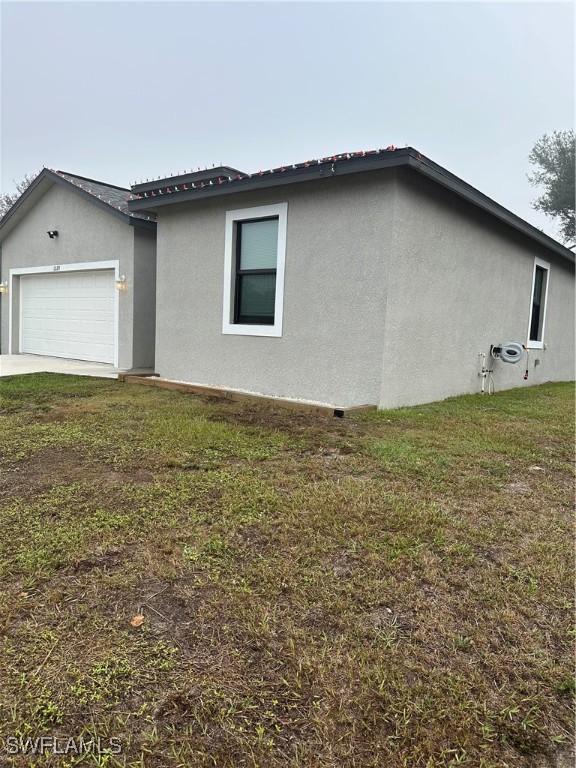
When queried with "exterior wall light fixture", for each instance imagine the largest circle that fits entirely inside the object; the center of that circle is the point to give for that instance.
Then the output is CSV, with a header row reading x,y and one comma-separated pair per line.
x,y
121,283
52,233
4,287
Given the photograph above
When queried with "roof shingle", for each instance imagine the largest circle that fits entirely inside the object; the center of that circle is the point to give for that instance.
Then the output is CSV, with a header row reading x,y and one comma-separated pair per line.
x,y
117,197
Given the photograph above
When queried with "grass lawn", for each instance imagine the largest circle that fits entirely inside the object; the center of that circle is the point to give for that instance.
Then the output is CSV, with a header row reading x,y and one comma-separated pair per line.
x,y
389,590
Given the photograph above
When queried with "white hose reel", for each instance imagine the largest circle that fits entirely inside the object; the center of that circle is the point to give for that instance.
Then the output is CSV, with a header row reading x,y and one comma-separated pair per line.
x,y
510,352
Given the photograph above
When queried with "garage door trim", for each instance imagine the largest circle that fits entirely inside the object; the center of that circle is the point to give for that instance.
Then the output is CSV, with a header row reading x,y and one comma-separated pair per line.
x,y
83,266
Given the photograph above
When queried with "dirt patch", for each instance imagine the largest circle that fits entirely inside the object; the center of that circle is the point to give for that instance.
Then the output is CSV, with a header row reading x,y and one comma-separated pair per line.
x,y
178,706
170,610
134,476
384,618
252,537
50,466
106,561
292,421
518,488
343,565
320,621
57,465
67,412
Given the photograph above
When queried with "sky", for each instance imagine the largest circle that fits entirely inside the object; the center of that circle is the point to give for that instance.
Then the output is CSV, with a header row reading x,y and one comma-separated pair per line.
x,y
133,90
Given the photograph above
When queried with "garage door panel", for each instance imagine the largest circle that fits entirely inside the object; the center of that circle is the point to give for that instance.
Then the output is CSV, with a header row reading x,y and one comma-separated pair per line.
x,y
55,334
100,353
70,318
45,325
70,314
67,303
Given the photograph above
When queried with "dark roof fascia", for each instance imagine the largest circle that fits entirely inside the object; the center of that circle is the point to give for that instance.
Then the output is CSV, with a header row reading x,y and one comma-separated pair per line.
x,y
407,157
440,175
47,175
276,179
134,221
185,178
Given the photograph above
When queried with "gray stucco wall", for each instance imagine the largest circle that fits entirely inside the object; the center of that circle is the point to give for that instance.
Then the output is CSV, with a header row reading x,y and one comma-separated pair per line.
x,y
86,233
393,288
338,245
459,283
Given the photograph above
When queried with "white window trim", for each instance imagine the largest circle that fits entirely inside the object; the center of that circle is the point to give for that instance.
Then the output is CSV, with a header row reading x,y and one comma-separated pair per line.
x,y
531,344
80,266
257,212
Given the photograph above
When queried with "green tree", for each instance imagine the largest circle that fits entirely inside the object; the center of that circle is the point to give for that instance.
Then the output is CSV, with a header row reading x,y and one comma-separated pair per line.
x,y
8,199
553,160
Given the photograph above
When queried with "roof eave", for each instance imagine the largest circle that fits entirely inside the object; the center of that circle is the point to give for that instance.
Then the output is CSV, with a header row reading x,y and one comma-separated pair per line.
x,y
458,186
11,218
270,180
187,178
407,157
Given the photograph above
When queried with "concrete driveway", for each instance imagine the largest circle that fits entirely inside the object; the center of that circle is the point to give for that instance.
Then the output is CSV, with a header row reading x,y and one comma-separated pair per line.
x,y
13,365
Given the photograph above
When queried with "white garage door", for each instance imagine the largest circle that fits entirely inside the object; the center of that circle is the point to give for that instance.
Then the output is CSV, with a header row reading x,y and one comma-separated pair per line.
x,y
69,314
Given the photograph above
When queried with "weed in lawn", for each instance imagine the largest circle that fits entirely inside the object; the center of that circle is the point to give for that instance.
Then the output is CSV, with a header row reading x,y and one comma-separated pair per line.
x,y
214,552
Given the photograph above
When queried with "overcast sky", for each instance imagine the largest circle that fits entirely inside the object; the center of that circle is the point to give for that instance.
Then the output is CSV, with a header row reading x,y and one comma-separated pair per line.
x,y
126,91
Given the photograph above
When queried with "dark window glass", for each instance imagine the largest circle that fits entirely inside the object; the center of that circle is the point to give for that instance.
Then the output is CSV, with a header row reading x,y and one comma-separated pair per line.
x,y
537,317
256,298
256,256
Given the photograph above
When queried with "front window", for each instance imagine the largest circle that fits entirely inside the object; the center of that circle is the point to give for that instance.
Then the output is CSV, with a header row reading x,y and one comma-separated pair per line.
x,y
538,304
255,246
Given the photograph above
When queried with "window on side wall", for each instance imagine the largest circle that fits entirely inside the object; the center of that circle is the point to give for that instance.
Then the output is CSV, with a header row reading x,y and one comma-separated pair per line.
x,y
538,304
255,246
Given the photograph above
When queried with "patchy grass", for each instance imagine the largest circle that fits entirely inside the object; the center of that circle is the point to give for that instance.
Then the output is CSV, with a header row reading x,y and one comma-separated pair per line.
x,y
392,590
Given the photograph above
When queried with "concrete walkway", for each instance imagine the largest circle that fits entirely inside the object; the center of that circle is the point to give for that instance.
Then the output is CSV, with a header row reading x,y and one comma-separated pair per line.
x,y
14,365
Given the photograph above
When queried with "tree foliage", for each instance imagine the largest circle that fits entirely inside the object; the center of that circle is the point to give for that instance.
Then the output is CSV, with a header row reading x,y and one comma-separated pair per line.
x,y
8,199
553,160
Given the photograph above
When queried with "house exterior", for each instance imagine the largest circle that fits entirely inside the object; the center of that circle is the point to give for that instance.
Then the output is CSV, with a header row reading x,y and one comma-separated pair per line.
x,y
373,278
78,274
